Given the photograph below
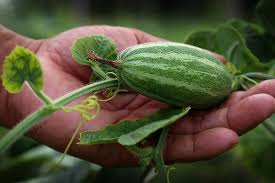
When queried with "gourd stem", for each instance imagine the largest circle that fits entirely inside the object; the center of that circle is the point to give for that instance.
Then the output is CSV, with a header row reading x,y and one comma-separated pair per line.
x,y
93,56
21,128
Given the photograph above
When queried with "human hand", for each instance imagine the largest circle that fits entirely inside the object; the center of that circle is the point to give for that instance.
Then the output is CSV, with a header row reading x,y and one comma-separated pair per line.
x,y
200,135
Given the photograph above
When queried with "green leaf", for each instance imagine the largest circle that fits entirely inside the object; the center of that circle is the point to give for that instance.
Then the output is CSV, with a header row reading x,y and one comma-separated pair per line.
x,y
231,44
245,28
111,133
243,44
261,44
20,66
103,46
266,14
141,133
202,39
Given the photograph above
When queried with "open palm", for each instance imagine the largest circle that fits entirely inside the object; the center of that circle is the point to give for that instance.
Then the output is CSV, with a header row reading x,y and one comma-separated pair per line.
x,y
200,135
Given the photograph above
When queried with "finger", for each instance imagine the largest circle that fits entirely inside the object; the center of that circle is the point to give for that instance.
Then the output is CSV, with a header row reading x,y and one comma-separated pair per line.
x,y
267,87
143,37
200,146
131,101
232,99
249,112
240,116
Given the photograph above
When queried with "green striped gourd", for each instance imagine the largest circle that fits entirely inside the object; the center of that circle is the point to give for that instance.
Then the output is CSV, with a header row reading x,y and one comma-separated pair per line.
x,y
175,73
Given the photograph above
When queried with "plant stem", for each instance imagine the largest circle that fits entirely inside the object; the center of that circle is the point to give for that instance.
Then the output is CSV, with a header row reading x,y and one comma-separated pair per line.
x,y
95,57
40,95
140,152
158,157
250,80
259,75
98,71
101,85
144,154
21,128
147,175
243,84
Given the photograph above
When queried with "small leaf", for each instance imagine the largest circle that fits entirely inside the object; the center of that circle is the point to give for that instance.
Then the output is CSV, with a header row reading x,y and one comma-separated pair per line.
x,y
20,66
111,133
141,133
103,46
266,14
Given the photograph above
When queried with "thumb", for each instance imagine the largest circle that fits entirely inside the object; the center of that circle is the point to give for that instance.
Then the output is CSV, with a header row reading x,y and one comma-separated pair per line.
x,y
10,39
143,37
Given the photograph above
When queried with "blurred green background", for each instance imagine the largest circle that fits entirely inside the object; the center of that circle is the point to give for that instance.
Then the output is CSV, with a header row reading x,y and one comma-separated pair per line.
x,y
171,20
28,161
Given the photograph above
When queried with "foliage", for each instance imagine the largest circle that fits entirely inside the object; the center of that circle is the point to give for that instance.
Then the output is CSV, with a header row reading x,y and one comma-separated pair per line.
x,y
121,131
164,119
237,41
